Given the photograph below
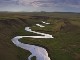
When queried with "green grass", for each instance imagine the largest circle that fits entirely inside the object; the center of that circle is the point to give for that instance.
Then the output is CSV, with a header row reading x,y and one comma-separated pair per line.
x,y
65,28
64,46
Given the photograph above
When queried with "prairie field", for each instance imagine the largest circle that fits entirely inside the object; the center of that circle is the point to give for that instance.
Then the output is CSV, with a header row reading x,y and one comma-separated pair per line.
x,y
64,27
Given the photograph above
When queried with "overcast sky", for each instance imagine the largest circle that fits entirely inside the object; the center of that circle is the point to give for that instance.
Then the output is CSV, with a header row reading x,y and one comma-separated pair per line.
x,y
40,5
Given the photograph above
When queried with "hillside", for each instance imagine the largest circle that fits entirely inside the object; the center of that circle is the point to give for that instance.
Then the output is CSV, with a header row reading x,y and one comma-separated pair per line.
x,y
65,27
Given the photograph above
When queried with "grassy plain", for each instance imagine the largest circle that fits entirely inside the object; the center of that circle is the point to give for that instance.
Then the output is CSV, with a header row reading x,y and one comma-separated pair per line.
x,y
65,27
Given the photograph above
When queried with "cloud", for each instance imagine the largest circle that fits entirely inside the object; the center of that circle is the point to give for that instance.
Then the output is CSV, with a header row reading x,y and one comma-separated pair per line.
x,y
35,3
51,3
46,3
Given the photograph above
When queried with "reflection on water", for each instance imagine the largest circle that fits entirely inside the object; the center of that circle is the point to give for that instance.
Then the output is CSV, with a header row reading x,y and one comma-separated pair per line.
x,y
39,52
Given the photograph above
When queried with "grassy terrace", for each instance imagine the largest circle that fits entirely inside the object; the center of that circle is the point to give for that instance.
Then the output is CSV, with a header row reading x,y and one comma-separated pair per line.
x,y
65,27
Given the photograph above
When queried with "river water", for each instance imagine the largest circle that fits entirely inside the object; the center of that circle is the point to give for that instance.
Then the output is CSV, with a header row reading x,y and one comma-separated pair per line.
x,y
39,52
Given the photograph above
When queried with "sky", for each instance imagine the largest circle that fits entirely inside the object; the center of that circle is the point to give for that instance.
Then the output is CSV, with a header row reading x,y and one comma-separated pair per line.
x,y
40,5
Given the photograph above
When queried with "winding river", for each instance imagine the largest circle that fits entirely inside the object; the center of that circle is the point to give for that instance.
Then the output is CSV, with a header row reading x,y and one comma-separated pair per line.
x,y
39,52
